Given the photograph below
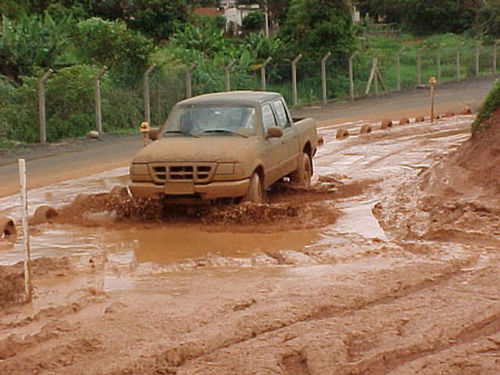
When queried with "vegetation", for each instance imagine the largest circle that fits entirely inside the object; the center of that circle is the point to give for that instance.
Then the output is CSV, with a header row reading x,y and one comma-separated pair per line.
x,y
77,38
491,104
314,27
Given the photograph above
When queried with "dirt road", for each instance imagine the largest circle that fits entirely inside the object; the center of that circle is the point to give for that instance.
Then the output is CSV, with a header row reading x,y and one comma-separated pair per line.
x,y
69,160
311,283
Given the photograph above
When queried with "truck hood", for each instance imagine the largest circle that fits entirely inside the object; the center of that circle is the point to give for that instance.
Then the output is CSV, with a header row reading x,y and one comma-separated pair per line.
x,y
202,149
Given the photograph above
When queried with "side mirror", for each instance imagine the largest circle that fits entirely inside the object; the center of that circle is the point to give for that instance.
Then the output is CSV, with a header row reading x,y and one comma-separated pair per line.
x,y
154,133
274,132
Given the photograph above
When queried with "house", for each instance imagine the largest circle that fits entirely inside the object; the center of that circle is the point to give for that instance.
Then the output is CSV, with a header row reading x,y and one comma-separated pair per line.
x,y
236,14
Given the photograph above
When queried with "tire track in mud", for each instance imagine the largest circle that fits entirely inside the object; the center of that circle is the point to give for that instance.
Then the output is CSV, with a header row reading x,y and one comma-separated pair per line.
x,y
381,361
191,350
483,328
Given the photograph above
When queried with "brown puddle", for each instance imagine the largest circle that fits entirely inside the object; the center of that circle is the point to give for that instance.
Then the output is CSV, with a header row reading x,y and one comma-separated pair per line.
x,y
163,244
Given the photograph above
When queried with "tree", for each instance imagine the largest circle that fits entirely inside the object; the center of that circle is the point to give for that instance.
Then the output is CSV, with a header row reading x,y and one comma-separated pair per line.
x,y
315,27
426,16
112,44
253,21
157,18
31,42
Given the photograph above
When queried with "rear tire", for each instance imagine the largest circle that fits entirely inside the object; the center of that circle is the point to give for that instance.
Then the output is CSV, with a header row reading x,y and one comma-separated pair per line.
x,y
302,175
255,192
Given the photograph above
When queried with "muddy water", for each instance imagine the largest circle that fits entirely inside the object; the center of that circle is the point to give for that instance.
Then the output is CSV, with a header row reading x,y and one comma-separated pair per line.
x,y
163,244
403,149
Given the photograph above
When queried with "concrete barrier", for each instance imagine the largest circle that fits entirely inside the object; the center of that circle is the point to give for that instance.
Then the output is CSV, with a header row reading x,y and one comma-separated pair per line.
x,y
43,214
342,134
386,124
404,121
365,129
8,227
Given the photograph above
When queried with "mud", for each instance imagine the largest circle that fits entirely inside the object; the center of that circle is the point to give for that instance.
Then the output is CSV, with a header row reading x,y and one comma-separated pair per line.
x,y
379,268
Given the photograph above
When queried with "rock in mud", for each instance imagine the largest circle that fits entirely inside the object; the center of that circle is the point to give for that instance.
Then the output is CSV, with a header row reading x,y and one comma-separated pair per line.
x,y
419,119
93,134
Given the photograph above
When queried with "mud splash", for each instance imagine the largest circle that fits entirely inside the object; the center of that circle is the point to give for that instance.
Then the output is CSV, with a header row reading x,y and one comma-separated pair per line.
x,y
289,208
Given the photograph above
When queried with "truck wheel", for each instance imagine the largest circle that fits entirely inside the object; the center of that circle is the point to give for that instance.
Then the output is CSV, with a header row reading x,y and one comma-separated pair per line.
x,y
255,192
302,176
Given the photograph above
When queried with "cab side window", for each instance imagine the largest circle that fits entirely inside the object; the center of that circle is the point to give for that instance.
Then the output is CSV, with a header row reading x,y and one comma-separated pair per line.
x,y
268,119
281,114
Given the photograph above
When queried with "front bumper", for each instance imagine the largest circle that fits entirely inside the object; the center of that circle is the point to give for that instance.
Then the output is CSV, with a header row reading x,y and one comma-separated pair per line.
x,y
213,190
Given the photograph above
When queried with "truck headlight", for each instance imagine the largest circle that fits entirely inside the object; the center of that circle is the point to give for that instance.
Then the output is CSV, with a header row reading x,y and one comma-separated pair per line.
x,y
225,169
139,169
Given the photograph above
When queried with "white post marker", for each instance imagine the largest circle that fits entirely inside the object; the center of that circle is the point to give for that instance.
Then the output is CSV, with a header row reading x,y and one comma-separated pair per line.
x,y
432,83
28,287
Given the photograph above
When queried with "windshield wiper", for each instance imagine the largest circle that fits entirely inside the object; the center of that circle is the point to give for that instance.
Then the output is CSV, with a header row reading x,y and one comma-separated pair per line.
x,y
224,131
180,132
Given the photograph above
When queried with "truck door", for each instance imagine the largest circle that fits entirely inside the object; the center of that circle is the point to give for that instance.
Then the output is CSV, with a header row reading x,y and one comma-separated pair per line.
x,y
272,146
289,141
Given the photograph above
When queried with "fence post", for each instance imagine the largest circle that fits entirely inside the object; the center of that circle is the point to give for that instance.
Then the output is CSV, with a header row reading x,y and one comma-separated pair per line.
x,y
294,79
351,76
227,71
28,286
398,70
477,51
41,106
458,60
419,65
495,56
147,112
263,73
373,75
323,75
189,72
97,93
266,21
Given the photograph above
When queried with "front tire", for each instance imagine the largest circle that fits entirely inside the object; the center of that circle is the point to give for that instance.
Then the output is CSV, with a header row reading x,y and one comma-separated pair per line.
x,y
255,192
303,174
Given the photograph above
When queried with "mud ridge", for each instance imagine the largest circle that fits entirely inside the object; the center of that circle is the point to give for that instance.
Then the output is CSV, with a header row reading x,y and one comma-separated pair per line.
x,y
176,356
386,361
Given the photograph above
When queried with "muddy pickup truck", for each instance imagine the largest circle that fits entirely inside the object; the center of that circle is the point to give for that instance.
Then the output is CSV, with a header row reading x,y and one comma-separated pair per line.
x,y
231,145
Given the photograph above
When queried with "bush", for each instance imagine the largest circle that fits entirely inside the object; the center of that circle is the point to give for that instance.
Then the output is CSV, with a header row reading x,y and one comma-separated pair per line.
x,y
69,105
491,103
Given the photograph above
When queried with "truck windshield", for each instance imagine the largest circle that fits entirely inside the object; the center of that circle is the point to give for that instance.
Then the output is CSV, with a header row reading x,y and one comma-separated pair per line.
x,y
211,120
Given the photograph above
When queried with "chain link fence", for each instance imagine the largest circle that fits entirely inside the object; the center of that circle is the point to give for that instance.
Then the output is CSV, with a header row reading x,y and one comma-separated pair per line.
x,y
70,94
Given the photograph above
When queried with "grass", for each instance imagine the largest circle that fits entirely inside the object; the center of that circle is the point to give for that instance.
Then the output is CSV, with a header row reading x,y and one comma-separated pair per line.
x,y
491,103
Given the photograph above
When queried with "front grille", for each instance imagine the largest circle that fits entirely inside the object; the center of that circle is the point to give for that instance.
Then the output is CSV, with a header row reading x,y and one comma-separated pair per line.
x,y
198,173
181,172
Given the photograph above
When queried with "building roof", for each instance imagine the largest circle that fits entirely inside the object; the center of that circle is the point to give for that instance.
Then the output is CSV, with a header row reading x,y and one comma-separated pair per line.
x,y
207,11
